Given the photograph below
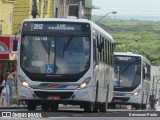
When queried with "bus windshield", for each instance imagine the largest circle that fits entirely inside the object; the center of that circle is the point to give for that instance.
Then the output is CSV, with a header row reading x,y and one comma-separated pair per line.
x,y
127,74
55,54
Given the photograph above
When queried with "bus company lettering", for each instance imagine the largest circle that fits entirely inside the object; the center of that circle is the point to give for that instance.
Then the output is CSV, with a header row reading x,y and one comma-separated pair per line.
x,y
124,58
61,27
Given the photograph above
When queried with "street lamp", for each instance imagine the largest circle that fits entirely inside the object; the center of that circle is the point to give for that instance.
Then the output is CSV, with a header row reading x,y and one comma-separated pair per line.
x,y
113,12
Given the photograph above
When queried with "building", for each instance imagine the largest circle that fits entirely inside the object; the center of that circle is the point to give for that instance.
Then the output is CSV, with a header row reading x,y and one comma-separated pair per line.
x,y
77,8
6,16
15,11
25,9
8,59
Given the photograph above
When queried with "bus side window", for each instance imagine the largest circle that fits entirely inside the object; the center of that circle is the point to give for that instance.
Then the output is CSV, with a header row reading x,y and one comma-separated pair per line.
x,y
101,46
95,45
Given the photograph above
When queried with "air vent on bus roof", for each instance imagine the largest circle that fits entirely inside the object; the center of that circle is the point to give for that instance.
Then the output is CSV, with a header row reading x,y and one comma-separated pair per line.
x,y
71,17
130,52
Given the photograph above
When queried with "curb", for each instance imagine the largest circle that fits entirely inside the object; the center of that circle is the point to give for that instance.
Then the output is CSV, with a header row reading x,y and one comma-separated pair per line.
x,y
13,107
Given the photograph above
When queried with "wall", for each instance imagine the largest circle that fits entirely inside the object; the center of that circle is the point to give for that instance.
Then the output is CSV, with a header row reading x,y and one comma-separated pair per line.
x,y
21,11
23,8
6,17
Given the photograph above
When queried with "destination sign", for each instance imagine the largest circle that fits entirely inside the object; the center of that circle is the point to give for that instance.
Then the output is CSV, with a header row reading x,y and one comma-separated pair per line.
x,y
127,58
57,27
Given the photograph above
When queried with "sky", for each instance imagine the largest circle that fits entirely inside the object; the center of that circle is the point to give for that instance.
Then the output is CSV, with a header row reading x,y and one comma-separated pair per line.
x,y
149,9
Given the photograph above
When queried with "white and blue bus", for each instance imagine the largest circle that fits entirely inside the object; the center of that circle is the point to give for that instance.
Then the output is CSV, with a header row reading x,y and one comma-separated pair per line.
x,y
65,61
132,80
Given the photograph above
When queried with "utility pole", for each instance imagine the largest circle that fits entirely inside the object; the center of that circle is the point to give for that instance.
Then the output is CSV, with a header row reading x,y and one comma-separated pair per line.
x,y
80,12
34,9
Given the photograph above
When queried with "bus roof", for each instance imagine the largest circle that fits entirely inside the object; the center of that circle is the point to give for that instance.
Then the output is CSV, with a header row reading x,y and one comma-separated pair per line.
x,y
93,25
132,54
57,19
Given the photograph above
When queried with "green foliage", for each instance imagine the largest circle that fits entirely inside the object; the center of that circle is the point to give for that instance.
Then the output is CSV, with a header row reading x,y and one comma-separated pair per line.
x,y
142,37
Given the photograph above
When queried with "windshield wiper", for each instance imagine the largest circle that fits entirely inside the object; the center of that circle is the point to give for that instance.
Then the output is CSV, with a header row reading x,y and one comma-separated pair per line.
x,y
47,49
67,44
45,46
126,68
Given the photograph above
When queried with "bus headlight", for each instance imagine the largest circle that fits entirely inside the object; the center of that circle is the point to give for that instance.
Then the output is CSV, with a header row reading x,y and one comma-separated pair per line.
x,y
136,93
84,83
23,81
25,84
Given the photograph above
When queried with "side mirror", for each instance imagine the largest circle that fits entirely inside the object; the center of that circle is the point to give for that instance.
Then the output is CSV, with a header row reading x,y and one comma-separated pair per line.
x,y
15,45
144,72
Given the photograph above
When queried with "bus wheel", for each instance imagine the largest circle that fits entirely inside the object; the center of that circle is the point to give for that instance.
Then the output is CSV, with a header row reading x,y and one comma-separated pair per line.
x,y
103,107
137,106
31,105
112,106
54,106
45,107
143,106
90,107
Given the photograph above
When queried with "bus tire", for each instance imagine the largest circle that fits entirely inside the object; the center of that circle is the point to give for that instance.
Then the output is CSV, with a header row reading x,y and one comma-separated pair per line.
x,y
112,106
89,107
31,105
54,106
103,107
137,106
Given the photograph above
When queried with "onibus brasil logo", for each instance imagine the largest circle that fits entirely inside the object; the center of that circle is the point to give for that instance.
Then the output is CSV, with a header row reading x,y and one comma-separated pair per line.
x,y
3,47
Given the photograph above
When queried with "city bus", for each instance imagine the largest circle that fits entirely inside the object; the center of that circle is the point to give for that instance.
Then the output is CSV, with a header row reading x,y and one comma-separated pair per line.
x,y
132,80
65,61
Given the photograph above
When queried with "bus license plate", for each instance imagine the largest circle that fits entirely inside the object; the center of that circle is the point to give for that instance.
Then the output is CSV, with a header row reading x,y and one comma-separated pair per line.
x,y
117,100
53,98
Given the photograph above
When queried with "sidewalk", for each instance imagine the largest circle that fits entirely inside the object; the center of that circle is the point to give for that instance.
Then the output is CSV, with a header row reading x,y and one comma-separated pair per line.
x,y
13,106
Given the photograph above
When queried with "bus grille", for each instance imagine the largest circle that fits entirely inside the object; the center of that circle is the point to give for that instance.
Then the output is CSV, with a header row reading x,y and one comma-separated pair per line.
x,y
44,95
120,98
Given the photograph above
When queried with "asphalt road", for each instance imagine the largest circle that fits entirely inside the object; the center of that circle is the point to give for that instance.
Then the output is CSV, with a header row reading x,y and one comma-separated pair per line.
x,y
75,113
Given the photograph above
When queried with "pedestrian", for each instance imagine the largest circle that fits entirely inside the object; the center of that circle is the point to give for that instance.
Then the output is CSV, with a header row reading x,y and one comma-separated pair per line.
x,y
1,83
9,87
3,96
2,89
152,102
